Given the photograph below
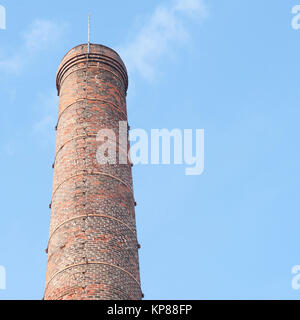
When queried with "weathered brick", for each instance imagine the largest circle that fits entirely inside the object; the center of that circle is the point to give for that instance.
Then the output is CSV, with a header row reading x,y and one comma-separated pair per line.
x,y
93,248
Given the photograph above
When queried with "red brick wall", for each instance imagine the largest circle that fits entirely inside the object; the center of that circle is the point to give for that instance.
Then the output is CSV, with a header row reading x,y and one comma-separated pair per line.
x,y
93,248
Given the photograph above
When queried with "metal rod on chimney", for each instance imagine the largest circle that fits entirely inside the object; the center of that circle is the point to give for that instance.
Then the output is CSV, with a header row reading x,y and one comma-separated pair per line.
x,y
89,32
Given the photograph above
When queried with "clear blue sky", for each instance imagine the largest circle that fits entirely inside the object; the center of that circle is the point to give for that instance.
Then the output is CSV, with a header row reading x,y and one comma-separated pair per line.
x,y
231,69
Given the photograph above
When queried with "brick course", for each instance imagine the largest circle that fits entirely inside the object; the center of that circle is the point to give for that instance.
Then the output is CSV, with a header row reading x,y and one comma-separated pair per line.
x,y
93,248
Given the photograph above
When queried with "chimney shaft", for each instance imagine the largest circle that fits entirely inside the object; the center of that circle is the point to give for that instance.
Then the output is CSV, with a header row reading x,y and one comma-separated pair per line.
x,y
93,248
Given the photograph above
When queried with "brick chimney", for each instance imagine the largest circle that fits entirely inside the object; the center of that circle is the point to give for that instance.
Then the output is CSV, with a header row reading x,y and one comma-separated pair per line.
x,y
93,248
